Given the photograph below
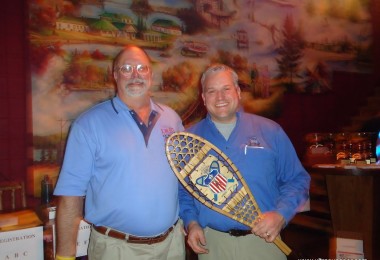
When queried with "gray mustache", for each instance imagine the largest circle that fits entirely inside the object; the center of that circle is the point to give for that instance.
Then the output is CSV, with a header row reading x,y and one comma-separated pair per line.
x,y
136,81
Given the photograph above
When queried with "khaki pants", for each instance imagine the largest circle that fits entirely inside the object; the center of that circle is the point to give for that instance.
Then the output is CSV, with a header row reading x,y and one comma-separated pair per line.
x,y
223,246
102,247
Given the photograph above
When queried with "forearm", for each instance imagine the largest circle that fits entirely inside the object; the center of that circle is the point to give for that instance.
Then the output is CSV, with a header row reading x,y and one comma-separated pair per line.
x,y
187,207
69,215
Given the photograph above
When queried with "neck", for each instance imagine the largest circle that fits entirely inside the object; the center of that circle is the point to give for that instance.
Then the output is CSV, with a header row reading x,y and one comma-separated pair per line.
x,y
225,128
141,105
136,103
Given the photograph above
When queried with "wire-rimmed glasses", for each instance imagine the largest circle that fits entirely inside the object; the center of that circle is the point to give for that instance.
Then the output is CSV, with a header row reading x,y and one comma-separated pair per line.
x,y
127,69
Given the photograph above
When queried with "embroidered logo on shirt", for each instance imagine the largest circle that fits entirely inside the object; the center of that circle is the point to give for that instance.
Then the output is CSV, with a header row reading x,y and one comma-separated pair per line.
x,y
252,143
166,132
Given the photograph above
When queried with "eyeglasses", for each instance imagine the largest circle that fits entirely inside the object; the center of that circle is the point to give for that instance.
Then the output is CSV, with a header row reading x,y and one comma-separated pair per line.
x,y
127,69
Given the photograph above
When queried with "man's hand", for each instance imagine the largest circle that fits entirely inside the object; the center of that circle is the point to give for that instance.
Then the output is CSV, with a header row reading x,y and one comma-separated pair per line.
x,y
269,226
196,238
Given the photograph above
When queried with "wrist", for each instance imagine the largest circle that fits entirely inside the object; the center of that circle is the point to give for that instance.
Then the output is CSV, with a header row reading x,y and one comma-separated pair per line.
x,y
192,224
58,257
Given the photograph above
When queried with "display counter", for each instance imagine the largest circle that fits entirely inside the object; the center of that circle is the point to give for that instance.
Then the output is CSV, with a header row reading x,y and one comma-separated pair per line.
x,y
353,194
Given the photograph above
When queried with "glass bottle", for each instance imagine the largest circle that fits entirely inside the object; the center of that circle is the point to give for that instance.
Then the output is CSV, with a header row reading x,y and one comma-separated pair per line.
x,y
371,155
359,154
46,190
342,155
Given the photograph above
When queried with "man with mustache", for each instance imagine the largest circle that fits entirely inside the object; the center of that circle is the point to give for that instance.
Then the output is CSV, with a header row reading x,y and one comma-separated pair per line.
x,y
116,168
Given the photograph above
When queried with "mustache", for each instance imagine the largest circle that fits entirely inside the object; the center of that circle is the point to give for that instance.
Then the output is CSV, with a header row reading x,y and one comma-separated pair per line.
x,y
136,81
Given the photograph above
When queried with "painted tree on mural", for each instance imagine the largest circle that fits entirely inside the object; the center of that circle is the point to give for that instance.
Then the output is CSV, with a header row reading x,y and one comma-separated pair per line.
x,y
42,17
83,72
317,79
290,54
236,61
142,9
179,77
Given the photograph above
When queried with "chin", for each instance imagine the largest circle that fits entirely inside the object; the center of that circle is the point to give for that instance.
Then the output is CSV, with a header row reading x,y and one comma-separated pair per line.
x,y
136,92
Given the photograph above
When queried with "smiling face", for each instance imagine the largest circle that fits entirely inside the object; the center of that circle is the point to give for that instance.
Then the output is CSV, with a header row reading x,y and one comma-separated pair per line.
x,y
133,84
221,96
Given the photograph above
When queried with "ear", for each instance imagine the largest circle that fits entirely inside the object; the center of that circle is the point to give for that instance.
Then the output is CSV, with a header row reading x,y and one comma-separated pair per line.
x,y
115,75
203,97
150,80
238,91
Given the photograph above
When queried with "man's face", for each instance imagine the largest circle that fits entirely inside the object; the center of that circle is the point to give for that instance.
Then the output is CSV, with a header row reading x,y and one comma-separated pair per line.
x,y
221,97
133,74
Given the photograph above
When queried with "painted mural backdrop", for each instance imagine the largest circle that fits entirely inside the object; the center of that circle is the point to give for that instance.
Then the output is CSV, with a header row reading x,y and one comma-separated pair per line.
x,y
276,46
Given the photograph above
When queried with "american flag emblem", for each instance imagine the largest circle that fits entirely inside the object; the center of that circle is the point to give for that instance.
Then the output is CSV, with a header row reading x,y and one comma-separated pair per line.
x,y
218,184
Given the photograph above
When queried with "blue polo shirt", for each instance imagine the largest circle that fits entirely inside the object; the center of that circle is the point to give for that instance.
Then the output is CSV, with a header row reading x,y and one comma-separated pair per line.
x,y
265,157
122,169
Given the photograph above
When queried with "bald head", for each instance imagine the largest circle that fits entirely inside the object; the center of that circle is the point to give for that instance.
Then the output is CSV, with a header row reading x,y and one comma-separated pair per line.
x,y
128,48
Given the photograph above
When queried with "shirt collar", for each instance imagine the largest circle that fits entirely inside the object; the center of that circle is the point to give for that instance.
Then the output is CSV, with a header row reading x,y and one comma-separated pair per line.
x,y
238,115
119,105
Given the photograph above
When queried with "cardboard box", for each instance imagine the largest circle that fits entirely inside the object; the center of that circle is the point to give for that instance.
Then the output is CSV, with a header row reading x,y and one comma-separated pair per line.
x,y
83,238
19,219
349,248
21,236
347,245
23,244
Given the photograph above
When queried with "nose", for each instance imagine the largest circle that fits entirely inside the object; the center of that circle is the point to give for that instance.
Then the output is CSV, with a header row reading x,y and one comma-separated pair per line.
x,y
220,94
134,74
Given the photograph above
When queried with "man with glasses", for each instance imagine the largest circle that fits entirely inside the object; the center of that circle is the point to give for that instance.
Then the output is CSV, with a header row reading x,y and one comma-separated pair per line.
x,y
115,161
266,159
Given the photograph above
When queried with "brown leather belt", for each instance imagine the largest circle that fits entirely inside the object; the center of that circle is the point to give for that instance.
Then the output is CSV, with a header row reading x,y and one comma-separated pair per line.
x,y
133,239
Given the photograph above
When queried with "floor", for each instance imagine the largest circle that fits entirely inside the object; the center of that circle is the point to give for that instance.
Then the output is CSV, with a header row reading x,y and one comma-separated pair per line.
x,y
305,243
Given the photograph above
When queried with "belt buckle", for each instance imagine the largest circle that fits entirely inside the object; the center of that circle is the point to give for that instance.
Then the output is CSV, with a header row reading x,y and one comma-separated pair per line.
x,y
236,232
